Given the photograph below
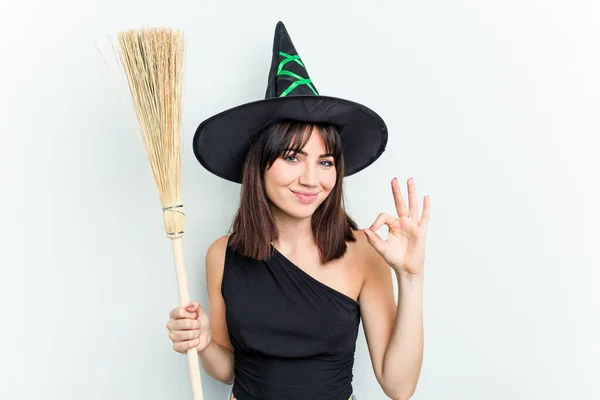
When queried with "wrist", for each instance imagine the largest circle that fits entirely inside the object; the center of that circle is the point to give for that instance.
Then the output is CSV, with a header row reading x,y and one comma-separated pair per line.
x,y
209,345
407,277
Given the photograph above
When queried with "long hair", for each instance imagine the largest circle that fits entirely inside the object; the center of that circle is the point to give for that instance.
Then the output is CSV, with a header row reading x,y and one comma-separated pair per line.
x,y
254,229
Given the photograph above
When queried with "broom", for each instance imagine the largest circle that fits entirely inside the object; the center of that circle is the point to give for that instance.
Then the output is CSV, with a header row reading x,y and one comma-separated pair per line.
x,y
152,59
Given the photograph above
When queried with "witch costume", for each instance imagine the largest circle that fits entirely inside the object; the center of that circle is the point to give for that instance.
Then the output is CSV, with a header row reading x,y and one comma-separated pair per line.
x,y
293,336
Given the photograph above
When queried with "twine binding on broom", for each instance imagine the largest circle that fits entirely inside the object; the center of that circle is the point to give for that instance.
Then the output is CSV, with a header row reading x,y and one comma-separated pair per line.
x,y
173,235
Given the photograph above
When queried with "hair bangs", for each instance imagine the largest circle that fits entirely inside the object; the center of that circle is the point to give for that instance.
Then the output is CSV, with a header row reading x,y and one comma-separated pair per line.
x,y
292,136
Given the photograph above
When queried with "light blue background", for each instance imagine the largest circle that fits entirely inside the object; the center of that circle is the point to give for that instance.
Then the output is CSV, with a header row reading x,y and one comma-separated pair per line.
x,y
488,104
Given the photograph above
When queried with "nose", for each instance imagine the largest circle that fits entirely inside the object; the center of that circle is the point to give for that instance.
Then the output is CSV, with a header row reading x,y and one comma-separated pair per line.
x,y
308,177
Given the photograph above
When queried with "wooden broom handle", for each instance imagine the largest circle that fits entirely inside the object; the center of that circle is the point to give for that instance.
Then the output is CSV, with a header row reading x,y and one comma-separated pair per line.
x,y
184,299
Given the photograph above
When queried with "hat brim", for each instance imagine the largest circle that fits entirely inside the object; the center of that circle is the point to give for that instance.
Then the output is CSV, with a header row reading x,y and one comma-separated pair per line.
x,y
221,142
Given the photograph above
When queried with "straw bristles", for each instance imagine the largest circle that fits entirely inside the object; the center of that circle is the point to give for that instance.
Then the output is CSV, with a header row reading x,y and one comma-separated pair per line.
x,y
152,59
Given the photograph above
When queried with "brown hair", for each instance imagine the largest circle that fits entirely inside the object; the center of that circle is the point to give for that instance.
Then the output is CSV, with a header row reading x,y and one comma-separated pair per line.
x,y
253,228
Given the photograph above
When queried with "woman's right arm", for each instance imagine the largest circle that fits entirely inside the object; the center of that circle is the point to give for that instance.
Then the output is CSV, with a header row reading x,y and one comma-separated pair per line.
x,y
191,327
217,357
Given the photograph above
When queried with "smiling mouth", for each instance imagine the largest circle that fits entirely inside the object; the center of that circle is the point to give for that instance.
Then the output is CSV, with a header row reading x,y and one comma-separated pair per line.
x,y
305,197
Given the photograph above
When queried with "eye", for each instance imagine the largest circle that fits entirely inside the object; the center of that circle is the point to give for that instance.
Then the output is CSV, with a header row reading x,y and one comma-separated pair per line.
x,y
327,163
291,159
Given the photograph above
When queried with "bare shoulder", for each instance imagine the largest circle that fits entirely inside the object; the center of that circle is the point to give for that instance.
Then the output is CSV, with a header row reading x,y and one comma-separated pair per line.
x,y
220,244
358,255
361,251
215,255
366,258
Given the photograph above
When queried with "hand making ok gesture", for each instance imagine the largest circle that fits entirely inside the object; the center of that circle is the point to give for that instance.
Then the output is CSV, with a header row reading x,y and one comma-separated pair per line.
x,y
404,249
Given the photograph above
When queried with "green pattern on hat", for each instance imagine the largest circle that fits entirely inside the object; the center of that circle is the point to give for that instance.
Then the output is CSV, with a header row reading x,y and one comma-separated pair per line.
x,y
299,79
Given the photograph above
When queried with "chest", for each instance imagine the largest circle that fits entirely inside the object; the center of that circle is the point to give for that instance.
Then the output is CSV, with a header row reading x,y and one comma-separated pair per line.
x,y
276,307
343,276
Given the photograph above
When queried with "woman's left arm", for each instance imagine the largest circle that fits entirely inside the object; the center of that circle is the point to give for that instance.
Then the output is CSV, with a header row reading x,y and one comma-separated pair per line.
x,y
404,353
395,333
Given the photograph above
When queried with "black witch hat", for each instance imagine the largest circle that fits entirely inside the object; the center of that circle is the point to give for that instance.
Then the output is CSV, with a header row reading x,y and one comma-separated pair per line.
x,y
222,141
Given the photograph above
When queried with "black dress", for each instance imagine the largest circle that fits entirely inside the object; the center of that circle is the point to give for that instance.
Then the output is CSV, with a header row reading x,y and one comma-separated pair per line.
x,y
294,337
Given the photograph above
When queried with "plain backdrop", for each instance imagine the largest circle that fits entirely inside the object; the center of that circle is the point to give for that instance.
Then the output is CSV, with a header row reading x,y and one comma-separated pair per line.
x,y
492,107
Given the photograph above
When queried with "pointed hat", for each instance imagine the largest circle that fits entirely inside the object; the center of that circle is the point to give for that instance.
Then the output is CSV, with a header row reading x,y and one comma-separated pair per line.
x,y
221,142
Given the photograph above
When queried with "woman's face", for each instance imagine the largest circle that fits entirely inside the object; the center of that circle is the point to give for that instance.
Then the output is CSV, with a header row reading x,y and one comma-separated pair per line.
x,y
297,183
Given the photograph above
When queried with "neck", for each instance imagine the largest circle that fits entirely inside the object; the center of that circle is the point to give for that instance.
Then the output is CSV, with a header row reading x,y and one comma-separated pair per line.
x,y
293,233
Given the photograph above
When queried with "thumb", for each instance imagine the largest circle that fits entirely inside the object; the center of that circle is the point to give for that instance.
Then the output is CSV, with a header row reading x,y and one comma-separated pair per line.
x,y
375,241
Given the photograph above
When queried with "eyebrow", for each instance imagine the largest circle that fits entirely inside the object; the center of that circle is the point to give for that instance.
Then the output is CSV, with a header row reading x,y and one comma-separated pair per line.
x,y
306,154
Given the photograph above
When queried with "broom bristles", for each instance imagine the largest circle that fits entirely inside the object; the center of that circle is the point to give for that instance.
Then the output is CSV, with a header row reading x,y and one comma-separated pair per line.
x,y
152,59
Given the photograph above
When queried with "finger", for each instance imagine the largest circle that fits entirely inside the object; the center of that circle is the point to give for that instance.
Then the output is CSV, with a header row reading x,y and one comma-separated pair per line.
x,y
185,324
425,214
192,306
200,311
398,199
382,219
182,336
183,347
413,205
375,241
180,312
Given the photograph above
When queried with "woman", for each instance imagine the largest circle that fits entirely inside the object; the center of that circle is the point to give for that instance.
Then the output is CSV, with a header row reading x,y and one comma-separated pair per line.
x,y
288,288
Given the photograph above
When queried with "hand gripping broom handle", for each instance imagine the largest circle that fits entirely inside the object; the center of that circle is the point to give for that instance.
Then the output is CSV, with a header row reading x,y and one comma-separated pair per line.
x,y
184,299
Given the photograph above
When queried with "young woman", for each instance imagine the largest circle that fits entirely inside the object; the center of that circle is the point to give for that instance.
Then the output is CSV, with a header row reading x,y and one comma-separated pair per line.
x,y
290,285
